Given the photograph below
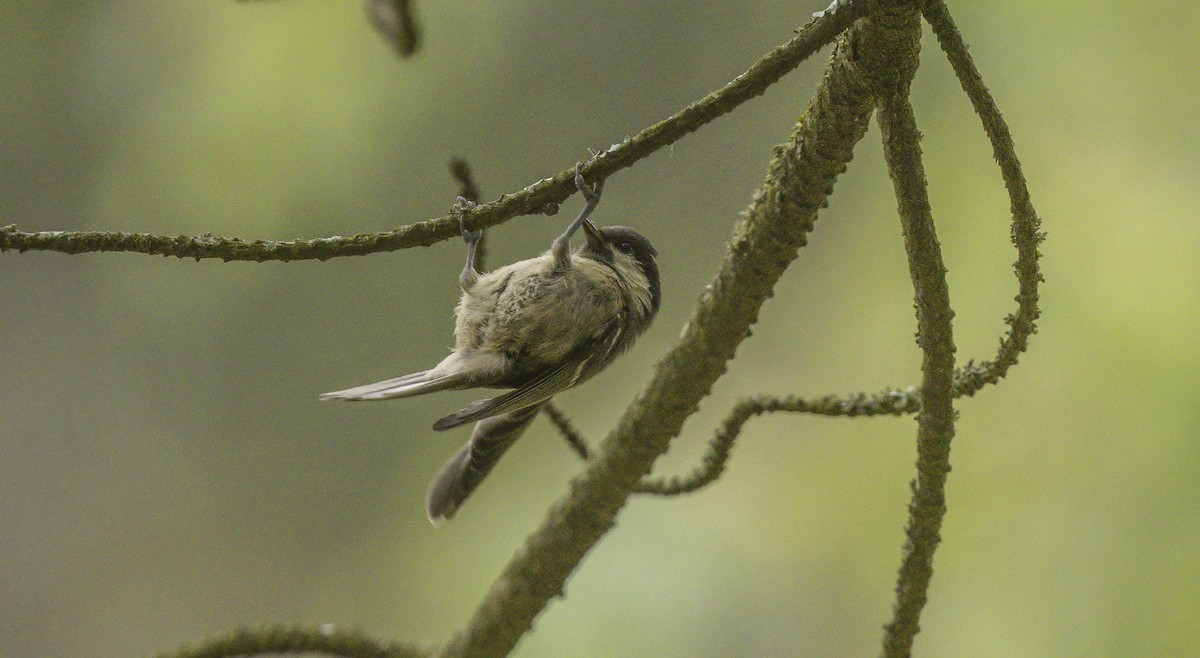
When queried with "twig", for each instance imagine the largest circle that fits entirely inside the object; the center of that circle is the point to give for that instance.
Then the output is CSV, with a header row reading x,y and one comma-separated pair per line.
x,y
468,190
1026,227
532,199
890,402
573,438
462,173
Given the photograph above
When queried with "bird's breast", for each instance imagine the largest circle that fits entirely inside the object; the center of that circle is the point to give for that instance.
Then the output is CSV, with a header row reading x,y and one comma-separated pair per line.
x,y
537,315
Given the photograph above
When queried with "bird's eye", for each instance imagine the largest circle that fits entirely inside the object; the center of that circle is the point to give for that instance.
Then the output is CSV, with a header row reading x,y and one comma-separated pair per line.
x,y
626,247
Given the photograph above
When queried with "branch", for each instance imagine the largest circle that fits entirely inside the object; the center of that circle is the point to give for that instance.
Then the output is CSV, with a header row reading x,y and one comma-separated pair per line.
x,y
574,439
296,639
799,181
891,402
969,379
532,199
1026,227
889,58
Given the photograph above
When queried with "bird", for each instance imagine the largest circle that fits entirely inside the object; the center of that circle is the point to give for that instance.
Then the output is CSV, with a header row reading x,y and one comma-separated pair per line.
x,y
537,327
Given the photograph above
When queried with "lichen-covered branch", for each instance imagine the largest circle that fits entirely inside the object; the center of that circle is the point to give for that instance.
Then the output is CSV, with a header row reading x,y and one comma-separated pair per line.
x,y
532,199
1026,227
889,59
274,640
891,402
799,181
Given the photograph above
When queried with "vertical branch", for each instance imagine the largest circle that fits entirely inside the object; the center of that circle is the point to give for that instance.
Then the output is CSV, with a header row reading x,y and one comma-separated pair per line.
x,y
890,59
767,239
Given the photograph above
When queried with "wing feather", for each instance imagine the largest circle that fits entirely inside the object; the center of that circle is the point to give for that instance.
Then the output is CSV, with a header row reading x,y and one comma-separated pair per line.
x,y
417,383
584,361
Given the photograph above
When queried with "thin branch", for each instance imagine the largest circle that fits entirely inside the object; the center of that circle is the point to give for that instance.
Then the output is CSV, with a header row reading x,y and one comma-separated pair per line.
x,y
462,173
296,639
889,58
532,199
1026,227
891,402
799,181
574,439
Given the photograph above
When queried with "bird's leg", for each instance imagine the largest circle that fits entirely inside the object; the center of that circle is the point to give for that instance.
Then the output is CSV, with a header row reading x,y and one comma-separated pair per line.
x,y
469,274
560,250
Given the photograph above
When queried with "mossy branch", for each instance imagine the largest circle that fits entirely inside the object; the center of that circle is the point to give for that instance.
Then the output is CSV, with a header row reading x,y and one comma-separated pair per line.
x,y
799,181
891,402
532,199
871,70
889,58
969,379
1026,231
296,639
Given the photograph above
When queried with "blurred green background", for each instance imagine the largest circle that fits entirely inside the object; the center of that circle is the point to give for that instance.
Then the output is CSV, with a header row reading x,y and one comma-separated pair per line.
x,y
166,471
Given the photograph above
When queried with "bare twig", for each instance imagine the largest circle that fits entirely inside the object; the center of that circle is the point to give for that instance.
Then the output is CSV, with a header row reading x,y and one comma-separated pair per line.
x,y
573,438
469,191
462,173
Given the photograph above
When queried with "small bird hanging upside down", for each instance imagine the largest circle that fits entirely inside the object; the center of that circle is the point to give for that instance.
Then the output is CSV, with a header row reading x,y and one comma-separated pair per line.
x,y
538,327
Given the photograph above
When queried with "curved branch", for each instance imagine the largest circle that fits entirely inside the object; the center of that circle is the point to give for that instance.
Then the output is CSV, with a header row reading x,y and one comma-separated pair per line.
x,y
891,402
530,200
799,181
1026,227
296,639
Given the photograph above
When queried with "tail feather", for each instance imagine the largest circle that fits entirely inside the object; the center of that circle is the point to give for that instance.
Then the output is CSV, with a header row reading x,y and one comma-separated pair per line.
x,y
470,465
417,383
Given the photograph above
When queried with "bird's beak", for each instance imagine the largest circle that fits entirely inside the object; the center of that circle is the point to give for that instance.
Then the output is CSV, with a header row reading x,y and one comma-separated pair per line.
x,y
596,242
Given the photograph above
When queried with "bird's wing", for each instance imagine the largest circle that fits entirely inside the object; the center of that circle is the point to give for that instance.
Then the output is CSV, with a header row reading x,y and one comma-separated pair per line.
x,y
583,362
416,383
